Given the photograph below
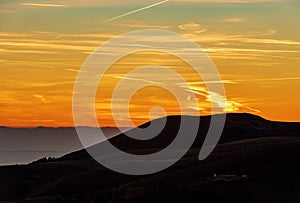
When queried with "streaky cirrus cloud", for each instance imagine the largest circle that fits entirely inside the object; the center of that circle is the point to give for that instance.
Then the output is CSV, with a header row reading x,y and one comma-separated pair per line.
x,y
100,3
221,101
40,97
229,1
192,27
235,20
42,5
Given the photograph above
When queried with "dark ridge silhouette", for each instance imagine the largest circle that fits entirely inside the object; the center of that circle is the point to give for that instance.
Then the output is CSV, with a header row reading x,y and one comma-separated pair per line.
x,y
238,126
256,160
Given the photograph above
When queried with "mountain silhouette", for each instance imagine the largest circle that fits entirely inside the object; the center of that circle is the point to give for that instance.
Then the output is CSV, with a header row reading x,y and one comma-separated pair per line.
x,y
238,126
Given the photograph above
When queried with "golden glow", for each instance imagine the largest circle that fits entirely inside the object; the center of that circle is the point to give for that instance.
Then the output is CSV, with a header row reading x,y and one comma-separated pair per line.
x,y
43,45
146,97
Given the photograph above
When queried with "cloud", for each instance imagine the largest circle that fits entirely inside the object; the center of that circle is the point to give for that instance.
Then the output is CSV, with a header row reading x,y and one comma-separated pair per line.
x,y
47,45
237,46
227,1
92,3
136,79
3,11
221,101
100,3
269,41
212,82
235,20
230,50
261,38
42,5
34,85
240,38
192,27
110,3
15,34
269,79
139,24
40,97
255,54
19,51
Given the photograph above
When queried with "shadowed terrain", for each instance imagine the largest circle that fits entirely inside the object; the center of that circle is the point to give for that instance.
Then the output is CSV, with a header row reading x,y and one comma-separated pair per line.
x,y
256,160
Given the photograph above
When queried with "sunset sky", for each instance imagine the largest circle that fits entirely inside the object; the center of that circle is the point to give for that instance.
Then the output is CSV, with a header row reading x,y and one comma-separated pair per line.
x,y
255,44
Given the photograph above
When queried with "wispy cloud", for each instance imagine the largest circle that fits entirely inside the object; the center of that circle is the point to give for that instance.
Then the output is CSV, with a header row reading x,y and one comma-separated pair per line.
x,y
42,5
239,38
228,1
34,85
279,79
40,97
235,20
3,11
192,27
230,50
16,34
212,82
270,41
139,24
136,79
102,3
47,45
223,104
19,51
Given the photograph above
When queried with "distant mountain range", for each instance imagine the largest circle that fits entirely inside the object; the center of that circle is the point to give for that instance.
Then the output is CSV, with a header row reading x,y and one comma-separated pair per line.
x,y
256,160
24,145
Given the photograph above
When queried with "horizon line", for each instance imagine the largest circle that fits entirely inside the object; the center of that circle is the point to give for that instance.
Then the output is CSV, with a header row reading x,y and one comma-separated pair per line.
x,y
131,127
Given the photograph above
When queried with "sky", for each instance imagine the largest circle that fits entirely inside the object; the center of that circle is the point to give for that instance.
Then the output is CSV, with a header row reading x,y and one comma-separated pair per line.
x,y
255,45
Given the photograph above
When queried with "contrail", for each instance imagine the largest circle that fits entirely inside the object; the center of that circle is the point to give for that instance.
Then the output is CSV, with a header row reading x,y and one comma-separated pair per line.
x,y
126,14
135,11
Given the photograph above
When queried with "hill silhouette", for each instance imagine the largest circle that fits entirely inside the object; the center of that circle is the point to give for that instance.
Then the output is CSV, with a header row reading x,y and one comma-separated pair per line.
x,y
256,160
238,126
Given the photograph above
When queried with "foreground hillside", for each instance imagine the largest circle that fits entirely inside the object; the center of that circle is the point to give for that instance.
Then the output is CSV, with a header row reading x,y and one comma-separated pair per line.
x,y
256,160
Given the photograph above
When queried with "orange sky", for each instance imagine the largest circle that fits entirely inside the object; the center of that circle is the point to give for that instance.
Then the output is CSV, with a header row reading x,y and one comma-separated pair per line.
x,y
255,47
